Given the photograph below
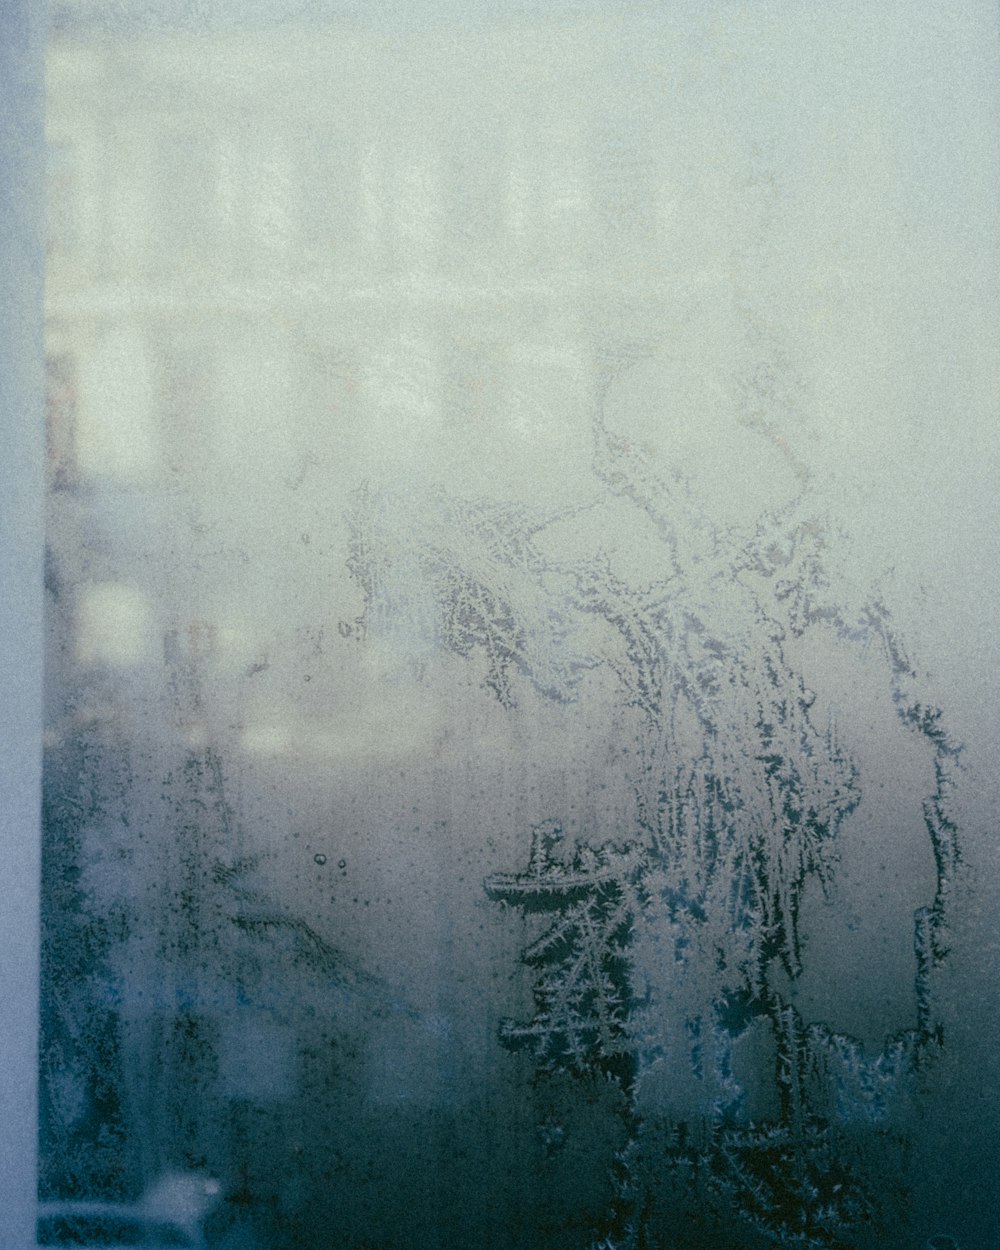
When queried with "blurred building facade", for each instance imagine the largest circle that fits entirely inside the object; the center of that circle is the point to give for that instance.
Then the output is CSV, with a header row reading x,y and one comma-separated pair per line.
x,y
293,257
281,262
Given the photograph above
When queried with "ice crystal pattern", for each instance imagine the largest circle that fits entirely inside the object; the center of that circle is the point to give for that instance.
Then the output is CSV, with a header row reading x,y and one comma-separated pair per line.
x,y
663,937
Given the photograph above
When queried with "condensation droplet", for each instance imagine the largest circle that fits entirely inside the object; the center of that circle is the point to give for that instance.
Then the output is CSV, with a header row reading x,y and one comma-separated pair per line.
x,y
319,859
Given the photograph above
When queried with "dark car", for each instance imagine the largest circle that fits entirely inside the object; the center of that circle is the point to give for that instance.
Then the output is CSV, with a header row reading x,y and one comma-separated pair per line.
x,y
110,1226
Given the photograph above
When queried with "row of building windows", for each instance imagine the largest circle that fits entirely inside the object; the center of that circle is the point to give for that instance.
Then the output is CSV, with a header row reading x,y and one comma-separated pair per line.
x,y
345,201
139,403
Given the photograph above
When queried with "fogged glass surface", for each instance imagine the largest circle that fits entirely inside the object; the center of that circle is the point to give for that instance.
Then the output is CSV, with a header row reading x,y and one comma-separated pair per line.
x,y
516,599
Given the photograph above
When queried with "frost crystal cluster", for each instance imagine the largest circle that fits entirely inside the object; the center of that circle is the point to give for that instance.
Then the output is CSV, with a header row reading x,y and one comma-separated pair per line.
x,y
659,944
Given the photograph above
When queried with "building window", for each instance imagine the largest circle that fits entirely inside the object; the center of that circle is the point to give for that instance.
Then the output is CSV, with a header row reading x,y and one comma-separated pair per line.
x,y
623,184
63,207
60,420
183,190
185,382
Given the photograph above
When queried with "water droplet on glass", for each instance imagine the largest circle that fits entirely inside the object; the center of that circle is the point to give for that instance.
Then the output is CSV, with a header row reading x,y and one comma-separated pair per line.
x,y
319,859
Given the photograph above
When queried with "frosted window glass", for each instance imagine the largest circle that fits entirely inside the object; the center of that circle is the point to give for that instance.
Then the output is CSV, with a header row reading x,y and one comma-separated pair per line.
x,y
520,590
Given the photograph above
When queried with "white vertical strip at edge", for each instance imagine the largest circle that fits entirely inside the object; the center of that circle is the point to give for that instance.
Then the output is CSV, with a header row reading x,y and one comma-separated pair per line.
x,y
22,42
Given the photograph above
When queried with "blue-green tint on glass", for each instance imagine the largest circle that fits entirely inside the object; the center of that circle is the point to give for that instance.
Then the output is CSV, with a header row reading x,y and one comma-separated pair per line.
x,y
518,741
